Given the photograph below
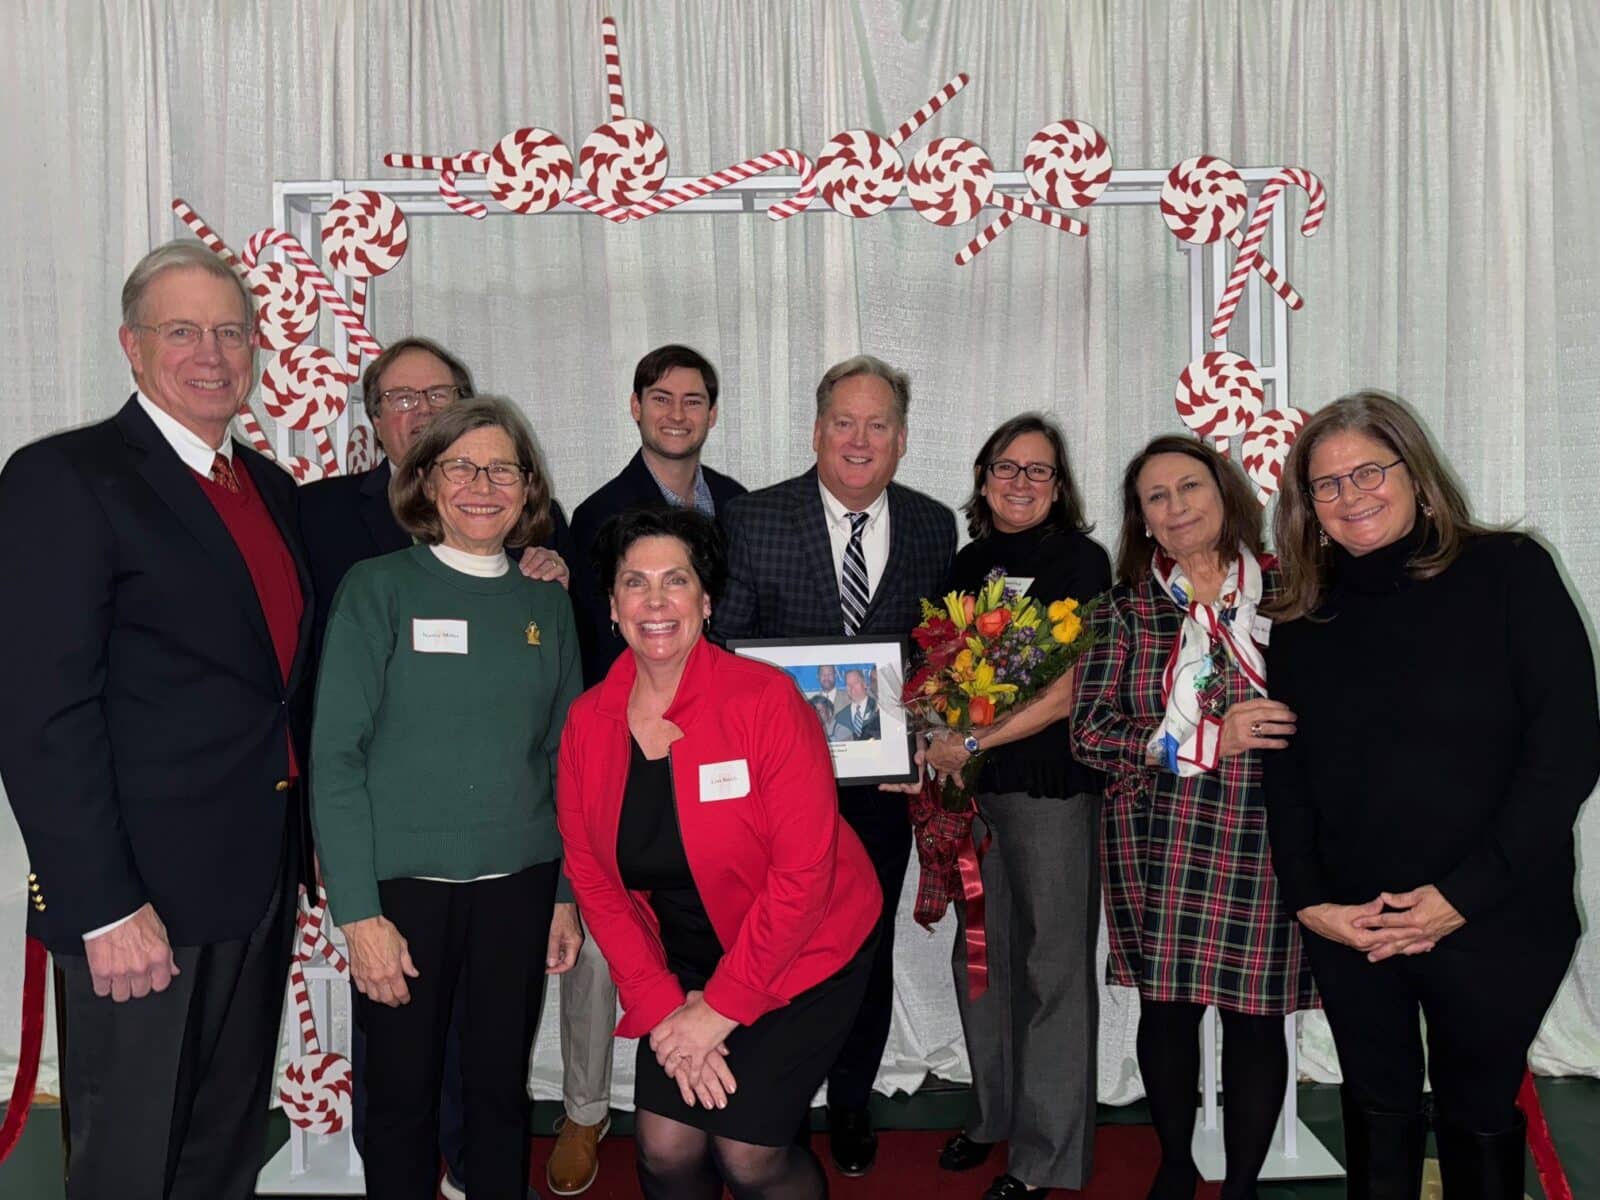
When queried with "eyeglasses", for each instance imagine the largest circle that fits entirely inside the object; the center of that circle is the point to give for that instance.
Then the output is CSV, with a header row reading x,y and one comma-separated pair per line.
x,y
1368,477
186,335
1004,468
464,470
405,399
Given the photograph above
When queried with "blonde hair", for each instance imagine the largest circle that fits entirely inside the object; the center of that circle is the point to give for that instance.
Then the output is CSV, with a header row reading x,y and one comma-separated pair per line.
x,y
1303,560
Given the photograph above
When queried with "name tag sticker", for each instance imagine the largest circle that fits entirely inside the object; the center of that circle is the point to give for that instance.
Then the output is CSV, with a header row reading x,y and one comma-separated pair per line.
x,y
724,780
1261,631
438,636
1019,583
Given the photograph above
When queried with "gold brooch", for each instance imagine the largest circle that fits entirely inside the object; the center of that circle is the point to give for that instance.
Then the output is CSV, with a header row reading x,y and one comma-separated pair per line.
x,y
532,633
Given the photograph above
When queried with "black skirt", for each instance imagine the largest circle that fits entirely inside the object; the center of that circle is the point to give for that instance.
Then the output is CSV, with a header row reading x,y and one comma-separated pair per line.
x,y
780,1061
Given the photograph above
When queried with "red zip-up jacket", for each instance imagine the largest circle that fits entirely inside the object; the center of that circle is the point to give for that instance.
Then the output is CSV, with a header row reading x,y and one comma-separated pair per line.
x,y
786,883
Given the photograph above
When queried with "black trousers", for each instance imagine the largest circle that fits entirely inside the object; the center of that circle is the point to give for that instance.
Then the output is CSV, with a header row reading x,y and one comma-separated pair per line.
x,y
487,938
1483,1006
879,819
167,1096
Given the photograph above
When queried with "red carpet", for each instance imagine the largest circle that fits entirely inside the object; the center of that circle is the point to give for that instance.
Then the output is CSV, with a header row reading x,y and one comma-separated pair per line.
x,y
1124,1157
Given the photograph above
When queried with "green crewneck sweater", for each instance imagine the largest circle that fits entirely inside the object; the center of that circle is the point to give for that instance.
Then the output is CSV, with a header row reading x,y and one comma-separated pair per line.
x,y
437,723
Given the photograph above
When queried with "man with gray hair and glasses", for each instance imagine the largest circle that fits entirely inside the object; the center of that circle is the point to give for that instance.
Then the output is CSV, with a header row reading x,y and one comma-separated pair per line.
x,y
153,712
840,551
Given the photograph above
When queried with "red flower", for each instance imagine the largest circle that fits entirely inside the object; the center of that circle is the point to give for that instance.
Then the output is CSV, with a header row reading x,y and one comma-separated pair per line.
x,y
914,684
981,709
991,623
933,631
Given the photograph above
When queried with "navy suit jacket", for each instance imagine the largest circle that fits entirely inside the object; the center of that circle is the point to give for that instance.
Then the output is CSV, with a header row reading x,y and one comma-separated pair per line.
x,y
144,719
781,577
347,519
635,487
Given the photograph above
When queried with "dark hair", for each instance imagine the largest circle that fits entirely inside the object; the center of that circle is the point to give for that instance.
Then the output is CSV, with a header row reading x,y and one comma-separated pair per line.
x,y
1066,508
371,377
699,534
665,358
419,515
1386,420
1241,512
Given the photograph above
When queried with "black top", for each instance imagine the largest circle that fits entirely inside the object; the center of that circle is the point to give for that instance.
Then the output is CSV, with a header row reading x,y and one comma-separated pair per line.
x,y
651,858
634,487
1062,564
1448,733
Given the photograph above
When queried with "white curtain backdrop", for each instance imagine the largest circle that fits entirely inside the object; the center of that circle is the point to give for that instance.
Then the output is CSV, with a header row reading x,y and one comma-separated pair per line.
x,y
1459,264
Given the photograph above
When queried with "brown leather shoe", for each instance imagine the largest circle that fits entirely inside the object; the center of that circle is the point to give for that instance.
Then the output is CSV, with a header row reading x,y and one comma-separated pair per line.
x,y
575,1161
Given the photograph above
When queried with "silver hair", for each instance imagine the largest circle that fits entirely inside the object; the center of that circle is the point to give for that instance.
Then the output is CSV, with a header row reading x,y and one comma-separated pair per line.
x,y
183,253
865,364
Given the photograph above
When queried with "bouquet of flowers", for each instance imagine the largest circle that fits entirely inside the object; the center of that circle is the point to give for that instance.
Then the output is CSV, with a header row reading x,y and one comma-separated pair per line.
x,y
983,654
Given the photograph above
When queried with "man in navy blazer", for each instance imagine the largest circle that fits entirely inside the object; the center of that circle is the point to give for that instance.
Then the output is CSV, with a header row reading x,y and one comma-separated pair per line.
x,y
841,551
674,404
154,699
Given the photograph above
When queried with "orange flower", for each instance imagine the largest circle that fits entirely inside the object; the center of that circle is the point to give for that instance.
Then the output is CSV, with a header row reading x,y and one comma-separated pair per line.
x,y
991,623
968,603
981,709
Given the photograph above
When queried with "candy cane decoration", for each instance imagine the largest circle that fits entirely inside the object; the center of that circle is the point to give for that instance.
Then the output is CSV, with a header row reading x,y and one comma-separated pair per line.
x,y
1218,395
729,175
859,173
315,1087
308,267
976,246
924,114
358,450
1203,199
286,309
448,167
305,388
1249,255
612,55
949,181
206,234
623,162
253,431
364,234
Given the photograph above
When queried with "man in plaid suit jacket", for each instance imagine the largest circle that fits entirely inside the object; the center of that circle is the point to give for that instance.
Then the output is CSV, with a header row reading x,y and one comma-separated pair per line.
x,y
844,550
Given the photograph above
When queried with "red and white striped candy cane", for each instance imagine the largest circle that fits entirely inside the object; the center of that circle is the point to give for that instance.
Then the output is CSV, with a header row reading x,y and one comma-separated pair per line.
x,y
707,184
456,201
309,268
313,939
1018,207
207,235
358,305
1250,248
924,114
589,202
988,234
252,429
613,65
448,167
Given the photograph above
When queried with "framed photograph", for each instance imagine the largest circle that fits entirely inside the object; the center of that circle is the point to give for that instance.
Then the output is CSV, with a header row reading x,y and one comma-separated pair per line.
x,y
853,685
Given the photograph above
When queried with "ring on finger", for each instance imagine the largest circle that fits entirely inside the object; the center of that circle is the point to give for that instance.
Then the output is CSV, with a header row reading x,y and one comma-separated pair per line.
x,y
1255,728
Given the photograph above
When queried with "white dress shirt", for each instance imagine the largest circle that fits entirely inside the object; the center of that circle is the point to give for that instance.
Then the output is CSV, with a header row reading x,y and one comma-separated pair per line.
x,y
874,536
198,457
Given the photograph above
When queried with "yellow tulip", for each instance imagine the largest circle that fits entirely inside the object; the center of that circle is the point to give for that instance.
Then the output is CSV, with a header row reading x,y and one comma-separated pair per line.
x,y
1062,609
1066,631
963,667
953,717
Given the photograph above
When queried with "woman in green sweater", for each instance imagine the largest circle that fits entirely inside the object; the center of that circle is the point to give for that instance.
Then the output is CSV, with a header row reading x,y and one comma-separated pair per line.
x,y
445,681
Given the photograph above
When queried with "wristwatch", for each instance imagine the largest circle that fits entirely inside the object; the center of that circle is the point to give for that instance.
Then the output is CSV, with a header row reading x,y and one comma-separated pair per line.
x,y
970,744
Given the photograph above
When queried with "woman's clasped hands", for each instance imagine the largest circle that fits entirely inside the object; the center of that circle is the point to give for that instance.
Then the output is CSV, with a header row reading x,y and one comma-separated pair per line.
x,y
690,1044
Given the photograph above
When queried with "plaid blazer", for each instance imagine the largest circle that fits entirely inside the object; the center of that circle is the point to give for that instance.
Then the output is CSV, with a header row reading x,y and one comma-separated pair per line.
x,y
1192,904
781,577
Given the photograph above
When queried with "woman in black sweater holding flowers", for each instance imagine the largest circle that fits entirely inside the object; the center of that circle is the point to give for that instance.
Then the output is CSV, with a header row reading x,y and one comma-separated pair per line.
x,y
1421,817
1031,1035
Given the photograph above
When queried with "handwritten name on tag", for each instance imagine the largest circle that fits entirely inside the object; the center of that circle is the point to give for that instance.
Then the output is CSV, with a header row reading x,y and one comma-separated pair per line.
x,y
1261,631
438,636
724,780
1019,583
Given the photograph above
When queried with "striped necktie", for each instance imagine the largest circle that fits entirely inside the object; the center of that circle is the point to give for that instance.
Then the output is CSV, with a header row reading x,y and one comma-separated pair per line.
x,y
855,719
854,593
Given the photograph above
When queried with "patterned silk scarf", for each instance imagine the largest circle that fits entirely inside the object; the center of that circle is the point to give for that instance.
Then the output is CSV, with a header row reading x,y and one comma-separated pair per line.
x,y
1189,737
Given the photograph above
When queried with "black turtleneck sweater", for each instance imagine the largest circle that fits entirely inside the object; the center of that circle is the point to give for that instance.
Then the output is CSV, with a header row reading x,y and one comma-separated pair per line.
x,y
1447,734
1062,564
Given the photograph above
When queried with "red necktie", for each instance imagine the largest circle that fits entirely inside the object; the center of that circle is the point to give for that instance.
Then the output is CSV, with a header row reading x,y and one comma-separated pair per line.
x,y
222,473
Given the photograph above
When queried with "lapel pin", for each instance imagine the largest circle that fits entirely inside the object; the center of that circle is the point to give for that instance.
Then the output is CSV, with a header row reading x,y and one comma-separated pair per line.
x,y
532,633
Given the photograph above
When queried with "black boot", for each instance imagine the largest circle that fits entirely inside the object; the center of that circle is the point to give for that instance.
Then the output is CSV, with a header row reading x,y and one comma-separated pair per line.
x,y
1482,1166
1382,1152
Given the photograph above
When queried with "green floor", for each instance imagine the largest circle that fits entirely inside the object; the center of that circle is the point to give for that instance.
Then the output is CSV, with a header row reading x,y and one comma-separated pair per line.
x,y
33,1172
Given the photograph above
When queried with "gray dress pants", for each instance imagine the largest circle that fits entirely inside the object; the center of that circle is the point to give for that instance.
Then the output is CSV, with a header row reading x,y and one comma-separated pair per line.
x,y
1031,1037
588,1035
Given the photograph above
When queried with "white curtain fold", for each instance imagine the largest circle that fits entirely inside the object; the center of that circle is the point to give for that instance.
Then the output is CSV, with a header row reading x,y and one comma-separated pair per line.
x,y
1459,264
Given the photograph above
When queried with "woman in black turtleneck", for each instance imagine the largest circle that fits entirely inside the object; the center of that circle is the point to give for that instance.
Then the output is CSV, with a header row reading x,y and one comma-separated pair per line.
x,y
1031,1036
1421,818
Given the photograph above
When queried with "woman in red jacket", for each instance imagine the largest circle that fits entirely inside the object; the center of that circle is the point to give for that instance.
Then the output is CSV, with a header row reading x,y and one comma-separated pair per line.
x,y
702,837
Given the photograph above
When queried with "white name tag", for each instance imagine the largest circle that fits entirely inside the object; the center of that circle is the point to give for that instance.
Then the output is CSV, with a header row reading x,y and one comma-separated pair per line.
x,y
1019,583
1261,631
438,636
724,780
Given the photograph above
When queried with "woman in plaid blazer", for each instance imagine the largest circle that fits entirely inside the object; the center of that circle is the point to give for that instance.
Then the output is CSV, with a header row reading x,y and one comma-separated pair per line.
x,y
1172,705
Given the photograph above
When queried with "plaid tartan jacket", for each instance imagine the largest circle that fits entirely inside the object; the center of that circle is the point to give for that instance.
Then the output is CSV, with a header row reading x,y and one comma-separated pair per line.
x,y
1192,904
